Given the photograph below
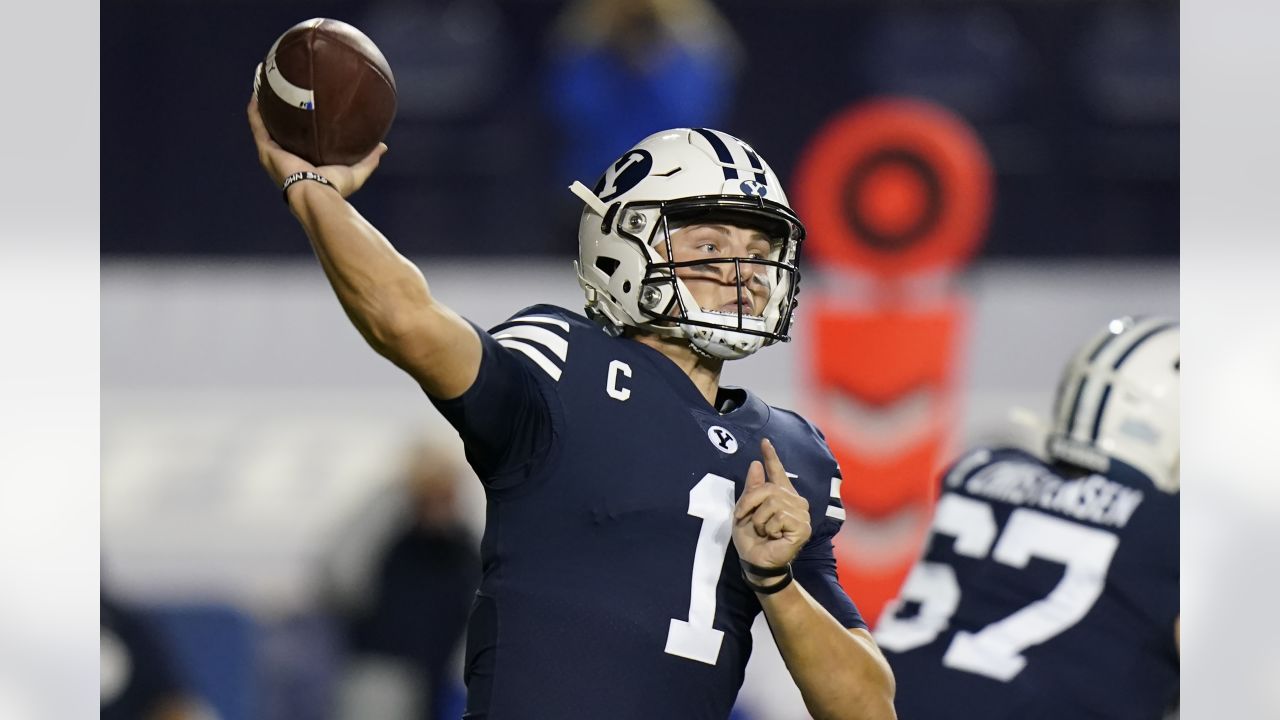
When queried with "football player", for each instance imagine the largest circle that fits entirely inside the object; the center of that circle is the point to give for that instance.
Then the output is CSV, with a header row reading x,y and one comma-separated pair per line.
x,y
1049,583
640,515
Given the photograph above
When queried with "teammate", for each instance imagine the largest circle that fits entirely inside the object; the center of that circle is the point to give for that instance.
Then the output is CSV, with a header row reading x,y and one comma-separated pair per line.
x,y
1050,589
639,516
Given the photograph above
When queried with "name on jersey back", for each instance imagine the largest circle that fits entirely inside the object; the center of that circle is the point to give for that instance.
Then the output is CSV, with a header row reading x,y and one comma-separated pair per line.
x,y
1093,498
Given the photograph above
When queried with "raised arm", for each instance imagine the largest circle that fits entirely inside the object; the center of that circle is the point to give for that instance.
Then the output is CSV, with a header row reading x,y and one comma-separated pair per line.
x,y
384,294
839,670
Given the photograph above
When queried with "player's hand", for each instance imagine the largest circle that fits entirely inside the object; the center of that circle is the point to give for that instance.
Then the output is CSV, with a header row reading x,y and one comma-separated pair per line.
x,y
280,163
771,519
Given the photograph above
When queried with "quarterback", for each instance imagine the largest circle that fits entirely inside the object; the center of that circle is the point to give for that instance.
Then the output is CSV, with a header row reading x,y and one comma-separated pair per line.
x,y
640,515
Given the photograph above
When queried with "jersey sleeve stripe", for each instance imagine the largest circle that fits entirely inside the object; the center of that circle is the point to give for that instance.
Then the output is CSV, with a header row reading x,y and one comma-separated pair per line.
x,y
836,507
542,336
534,354
545,319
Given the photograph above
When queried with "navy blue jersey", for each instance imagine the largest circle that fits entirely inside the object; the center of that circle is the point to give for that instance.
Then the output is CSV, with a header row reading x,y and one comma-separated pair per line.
x,y
611,587
1041,594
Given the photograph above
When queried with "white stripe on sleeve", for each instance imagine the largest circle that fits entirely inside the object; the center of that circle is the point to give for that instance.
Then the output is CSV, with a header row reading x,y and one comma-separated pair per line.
x,y
832,510
545,319
541,336
534,354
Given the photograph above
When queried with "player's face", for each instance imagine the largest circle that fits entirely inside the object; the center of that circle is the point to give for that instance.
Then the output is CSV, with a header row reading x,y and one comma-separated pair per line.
x,y
717,286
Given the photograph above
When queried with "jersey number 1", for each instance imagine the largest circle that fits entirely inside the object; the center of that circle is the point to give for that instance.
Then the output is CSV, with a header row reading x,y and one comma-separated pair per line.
x,y
712,500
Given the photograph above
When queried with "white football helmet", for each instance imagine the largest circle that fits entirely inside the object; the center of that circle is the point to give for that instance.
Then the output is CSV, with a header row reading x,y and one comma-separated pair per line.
x,y
1118,398
673,178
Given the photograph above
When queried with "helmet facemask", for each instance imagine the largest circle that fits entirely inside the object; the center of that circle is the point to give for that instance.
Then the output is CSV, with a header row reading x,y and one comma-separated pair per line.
x,y
769,283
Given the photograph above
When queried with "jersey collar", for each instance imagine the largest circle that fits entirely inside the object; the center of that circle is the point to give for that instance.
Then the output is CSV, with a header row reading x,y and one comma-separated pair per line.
x,y
750,413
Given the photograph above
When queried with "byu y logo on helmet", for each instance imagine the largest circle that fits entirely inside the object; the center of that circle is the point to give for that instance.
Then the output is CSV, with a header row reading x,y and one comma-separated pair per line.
x,y
624,174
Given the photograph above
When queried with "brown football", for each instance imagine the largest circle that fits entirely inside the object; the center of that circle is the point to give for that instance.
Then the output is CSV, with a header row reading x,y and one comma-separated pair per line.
x,y
326,93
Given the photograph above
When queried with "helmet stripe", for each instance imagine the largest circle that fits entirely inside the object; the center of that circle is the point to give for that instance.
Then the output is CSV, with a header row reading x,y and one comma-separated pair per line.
x,y
1135,336
1102,346
1102,406
1075,405
1106,341
722,152
1145,337
755,163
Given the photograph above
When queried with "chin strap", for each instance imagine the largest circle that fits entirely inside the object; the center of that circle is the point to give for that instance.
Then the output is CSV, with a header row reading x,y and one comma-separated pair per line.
x,y
700,352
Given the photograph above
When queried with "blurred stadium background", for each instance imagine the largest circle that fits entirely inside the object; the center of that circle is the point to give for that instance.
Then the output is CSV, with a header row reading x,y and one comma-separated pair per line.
x,y
247,432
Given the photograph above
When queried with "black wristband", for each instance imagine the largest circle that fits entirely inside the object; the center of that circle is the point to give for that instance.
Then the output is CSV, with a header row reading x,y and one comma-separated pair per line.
x,y
764,571
298,176
769,589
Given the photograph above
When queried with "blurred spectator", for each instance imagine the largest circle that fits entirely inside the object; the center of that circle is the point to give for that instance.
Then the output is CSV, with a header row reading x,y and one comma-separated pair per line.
x,y
456,147
140,679
971,58
623,69
448,55
403,628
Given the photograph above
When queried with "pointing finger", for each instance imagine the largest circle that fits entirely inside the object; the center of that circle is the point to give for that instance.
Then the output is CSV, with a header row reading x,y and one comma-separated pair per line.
x,y
777,473
752,494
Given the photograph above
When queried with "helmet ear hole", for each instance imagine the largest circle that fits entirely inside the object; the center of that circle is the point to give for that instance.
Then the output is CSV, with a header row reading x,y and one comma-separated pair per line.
x,y
608,265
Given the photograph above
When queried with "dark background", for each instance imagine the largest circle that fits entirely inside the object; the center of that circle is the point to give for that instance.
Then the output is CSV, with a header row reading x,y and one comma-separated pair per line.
x,y
1077,103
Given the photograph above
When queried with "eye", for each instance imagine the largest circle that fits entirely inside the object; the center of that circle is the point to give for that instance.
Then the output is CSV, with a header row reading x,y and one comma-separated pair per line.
x,y
708,247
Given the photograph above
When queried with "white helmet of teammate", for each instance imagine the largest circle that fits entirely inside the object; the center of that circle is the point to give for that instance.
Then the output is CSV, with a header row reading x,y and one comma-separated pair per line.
x,y
674,178
1119,399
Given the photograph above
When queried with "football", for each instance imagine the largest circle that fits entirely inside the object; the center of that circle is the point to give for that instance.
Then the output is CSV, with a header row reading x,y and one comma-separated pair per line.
x,y
325,92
